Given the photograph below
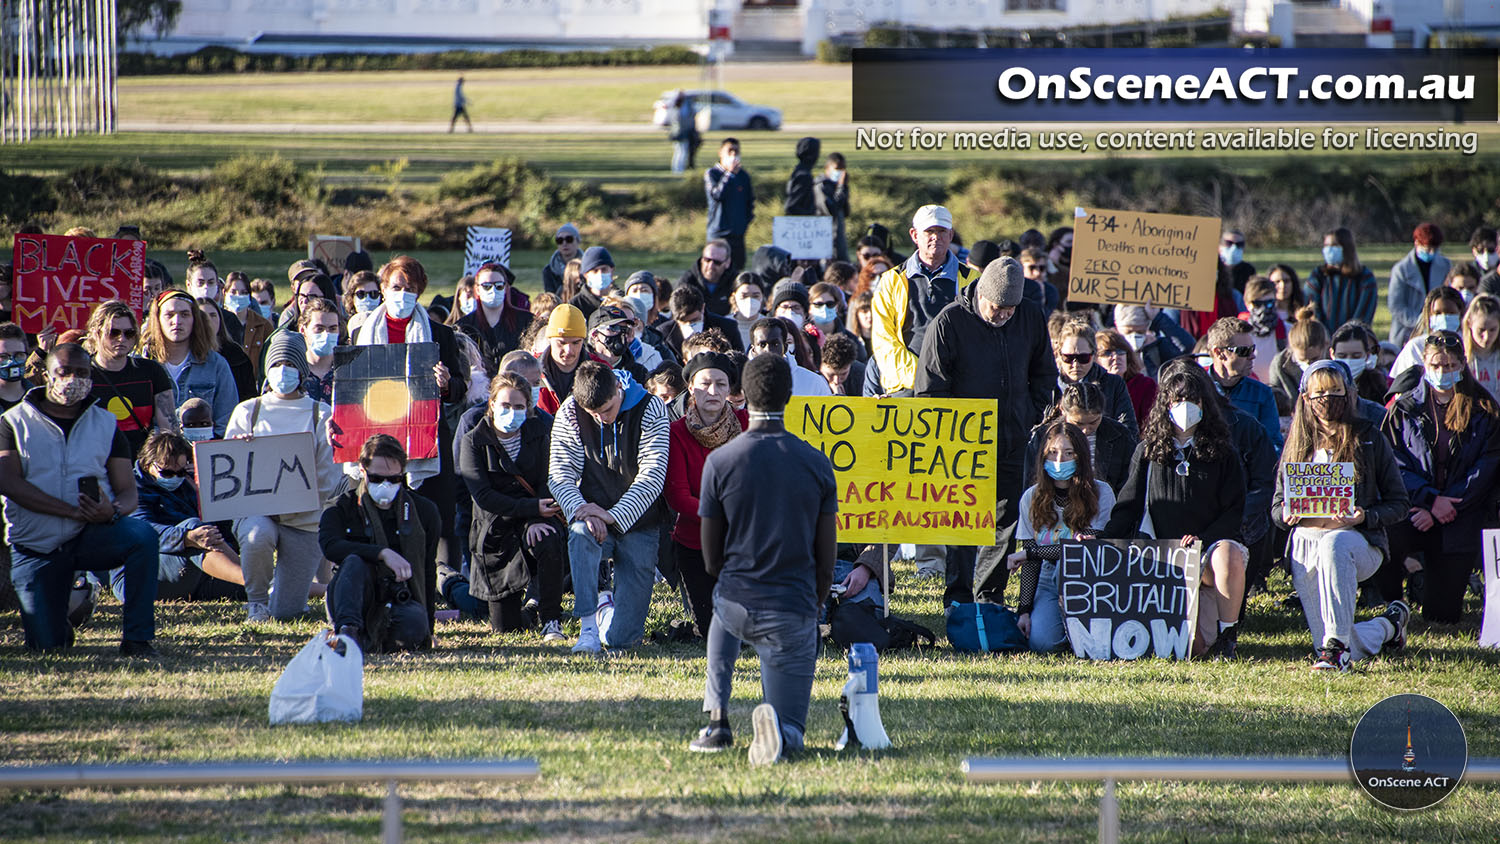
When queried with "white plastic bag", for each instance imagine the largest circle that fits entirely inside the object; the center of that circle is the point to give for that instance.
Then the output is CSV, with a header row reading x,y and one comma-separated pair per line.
x,y
320,685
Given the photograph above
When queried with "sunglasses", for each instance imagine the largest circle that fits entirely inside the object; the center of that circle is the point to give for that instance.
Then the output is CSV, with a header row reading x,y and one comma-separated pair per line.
x,y
1324,396
713,260
175,473
1240,351
1445,339
1081,357
367,294
1228,242
871,255
373,478
492,285
567,238
117,333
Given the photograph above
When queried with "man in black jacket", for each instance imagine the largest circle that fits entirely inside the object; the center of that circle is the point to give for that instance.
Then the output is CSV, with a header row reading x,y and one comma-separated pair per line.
x,y
690,316
502,316
801,196
384,538
991,344
710,274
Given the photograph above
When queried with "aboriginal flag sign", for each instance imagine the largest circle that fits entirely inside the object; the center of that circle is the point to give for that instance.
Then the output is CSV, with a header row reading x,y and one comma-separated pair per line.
x,y
386,390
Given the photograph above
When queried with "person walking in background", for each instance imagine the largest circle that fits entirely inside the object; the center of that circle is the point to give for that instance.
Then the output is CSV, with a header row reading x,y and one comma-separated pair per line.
x,y
731,202
460,107
683,132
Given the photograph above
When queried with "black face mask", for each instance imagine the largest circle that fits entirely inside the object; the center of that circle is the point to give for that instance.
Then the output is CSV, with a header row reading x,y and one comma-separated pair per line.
x,y
10,373
1330,408
616,344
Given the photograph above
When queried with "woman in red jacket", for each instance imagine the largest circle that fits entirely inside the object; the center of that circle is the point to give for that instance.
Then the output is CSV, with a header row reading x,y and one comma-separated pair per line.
x,y
709,423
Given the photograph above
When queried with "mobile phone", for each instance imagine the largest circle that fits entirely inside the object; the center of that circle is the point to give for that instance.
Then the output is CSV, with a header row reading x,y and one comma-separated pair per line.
x,y
89,485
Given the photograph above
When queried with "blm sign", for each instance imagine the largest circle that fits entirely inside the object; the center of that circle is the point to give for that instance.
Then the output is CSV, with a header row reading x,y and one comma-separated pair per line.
x,y
1122,599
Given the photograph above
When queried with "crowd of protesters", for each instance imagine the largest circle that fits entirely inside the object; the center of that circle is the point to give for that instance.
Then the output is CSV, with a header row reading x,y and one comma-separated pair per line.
x,y
621,431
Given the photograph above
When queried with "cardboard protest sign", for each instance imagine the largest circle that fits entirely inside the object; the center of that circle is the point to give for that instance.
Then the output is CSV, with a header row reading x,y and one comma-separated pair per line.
x,y
1317,490
1123,598
908,470
260,476
1133,258
484,245
1489,629
58,280
803,237
331,250
385,390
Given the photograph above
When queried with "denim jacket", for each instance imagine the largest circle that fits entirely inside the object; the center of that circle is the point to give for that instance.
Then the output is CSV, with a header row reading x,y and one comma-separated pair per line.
x,y
209,379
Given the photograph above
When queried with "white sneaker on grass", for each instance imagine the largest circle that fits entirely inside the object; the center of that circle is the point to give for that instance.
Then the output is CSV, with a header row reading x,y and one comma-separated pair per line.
x,y
588,638
257,611
765,748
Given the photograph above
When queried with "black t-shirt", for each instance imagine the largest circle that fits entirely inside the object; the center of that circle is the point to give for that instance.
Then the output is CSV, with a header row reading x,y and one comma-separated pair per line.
x,y
130,395
770,489
119,447
6,404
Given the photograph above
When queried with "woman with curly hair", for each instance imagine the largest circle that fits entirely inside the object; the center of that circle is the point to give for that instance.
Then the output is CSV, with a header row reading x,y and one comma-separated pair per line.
x,y
1066,502
1187,481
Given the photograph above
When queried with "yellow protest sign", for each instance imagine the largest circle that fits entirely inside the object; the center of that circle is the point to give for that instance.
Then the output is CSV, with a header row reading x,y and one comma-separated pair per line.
x,y
1134,258
908,470
1317,490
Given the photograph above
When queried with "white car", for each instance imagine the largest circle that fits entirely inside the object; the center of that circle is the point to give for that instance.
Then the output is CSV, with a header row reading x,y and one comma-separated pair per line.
x,y
718,110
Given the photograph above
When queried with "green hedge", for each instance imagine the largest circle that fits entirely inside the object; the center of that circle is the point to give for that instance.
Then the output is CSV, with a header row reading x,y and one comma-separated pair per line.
x,y
228,60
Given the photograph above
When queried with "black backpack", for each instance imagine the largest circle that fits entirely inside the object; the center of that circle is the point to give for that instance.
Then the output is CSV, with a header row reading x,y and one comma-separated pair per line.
x,y
862,621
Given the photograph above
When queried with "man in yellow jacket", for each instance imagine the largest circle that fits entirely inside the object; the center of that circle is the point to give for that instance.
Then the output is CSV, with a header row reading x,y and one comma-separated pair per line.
x,y
909,296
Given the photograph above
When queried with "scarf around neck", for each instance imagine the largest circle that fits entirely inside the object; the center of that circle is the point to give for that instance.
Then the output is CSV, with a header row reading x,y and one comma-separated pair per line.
x,y
711,435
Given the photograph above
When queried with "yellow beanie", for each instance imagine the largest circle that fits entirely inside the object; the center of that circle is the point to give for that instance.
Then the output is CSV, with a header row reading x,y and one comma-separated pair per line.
x,y
566,321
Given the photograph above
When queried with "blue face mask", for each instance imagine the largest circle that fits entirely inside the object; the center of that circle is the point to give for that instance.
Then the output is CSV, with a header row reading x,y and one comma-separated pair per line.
x,y
12,372
400,303
284,380
170,484
324,344
265,310
1425,255
824,314
509,420
1444,381
201,433
238,301
365,304
1333,255
1061,470
1231,255
1443,322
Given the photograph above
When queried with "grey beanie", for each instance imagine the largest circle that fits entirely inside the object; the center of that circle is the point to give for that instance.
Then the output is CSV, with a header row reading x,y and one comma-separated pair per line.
x,y
595,257
287,347
1002,282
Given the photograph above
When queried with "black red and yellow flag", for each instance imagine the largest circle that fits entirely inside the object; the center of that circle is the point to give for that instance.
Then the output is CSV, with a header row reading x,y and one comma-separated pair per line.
x,y
386,390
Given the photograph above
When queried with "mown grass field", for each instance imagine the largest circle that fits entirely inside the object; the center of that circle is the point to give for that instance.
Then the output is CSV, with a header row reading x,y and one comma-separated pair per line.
x,y
610,735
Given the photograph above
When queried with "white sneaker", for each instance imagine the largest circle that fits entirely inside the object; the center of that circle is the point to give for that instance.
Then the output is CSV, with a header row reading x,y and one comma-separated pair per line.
x,y
256,611
552,632
604,614
765,748
588,639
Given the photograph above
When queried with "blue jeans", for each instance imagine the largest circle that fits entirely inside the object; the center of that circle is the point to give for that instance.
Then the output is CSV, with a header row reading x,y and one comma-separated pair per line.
x,y
1047,634
787,643
634,554
43,581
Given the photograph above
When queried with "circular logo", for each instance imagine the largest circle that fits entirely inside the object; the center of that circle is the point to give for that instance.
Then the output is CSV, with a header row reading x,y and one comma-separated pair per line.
x,y
1408,752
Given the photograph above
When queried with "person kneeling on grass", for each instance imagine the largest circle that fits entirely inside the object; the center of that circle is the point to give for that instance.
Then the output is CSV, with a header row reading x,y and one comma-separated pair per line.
x,y
279,553
768,502
66,482
384,537
1330,556
169,503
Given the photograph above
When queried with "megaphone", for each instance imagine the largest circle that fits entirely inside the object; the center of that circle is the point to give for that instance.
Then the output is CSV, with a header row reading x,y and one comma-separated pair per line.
x,y
858,703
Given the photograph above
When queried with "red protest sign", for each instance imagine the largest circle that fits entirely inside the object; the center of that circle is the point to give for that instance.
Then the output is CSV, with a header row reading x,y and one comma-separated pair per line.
x,y
59,279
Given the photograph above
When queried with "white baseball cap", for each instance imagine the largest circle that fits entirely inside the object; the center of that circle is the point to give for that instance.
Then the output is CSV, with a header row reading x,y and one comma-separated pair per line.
x,y
931,215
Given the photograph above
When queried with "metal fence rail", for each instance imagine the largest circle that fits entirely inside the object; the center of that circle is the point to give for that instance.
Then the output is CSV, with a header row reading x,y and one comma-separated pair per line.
x,y
1110,770
261,773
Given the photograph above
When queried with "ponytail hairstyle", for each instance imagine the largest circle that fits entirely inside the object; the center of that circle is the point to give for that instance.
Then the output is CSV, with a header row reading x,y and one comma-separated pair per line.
x,y
1082,506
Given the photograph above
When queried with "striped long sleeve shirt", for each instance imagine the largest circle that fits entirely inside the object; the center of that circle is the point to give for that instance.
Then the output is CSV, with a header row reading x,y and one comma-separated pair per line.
x,y
1338,298
567,457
